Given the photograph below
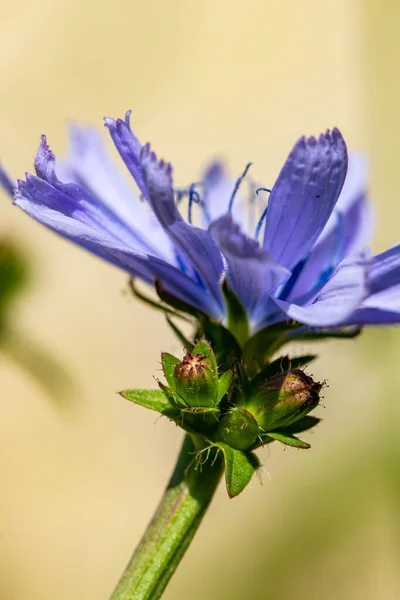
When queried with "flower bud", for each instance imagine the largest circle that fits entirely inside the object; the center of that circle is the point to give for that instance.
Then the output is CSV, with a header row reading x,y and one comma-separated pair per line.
x,y
237,428
196,381
283,399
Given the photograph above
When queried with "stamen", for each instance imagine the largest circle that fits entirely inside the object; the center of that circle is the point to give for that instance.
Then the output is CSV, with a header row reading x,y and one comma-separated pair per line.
x,y
237,185
181,193
193,197
264,214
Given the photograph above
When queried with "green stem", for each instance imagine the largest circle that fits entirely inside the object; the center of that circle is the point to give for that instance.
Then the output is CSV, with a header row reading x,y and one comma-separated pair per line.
x,y
172,527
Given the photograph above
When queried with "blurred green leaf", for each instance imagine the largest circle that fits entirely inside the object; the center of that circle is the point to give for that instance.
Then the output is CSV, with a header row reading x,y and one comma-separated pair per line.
x,y
13,272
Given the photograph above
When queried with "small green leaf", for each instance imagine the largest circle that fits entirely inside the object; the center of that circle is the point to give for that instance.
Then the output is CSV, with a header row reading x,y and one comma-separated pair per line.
x,y
152,399
239,468
289,440
223,384
238,323
169,363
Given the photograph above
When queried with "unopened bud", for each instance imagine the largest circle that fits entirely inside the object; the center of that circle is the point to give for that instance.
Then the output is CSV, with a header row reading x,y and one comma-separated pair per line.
x,y
237,428
283,399
195,381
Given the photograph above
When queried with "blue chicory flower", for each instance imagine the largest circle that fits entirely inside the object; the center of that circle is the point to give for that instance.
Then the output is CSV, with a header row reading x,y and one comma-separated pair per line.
x,y
311,264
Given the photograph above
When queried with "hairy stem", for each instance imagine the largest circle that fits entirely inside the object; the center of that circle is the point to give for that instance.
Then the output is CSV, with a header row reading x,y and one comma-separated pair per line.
x,y
172,527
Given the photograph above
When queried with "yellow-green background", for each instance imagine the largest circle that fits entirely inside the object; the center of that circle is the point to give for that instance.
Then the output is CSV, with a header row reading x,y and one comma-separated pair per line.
x,y
79,483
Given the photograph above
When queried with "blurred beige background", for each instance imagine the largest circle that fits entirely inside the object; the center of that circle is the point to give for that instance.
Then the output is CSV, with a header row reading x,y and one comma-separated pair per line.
x,y
80,481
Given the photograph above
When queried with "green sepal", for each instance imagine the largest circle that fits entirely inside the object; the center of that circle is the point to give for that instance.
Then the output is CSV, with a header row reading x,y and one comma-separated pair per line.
x,y
154,400
153,303
302,334
239,468
261,346
172,395
223,384
171,300
169,362
237,428
179,334
227,349
199,419
316,335
288,439
238,323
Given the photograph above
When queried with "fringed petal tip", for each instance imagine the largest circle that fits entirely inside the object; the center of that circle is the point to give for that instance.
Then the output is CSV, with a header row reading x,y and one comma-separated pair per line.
x,y
109,122
45,161
330,138
150,163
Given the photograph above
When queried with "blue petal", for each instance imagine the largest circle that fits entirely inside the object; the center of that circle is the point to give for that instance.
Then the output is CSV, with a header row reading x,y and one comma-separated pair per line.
x,y
75,230
353,212
145,267
194,242
383,304
76,201
253,274
89,165
304,196
354,207
385,270
338,300
387,299
128,146
217,190
374,316
347,231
